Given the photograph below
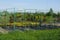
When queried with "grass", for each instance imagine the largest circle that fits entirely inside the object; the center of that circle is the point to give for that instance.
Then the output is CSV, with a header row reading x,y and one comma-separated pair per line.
x,y
53,34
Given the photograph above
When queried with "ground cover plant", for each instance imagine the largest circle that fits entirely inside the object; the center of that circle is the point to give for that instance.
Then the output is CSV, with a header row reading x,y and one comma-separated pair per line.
x,y
53,34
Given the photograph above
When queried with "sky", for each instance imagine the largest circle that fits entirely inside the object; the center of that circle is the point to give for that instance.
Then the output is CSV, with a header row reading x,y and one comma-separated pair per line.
x,y
31,4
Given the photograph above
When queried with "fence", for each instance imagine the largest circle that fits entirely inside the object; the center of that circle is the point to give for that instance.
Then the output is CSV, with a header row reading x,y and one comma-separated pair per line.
x,y
27,18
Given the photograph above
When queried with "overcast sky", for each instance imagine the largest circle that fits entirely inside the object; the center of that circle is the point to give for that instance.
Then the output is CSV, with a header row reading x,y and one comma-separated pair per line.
x,y
31,4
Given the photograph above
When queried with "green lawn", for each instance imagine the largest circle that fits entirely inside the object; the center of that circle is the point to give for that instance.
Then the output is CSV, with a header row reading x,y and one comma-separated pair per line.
x,y
53,34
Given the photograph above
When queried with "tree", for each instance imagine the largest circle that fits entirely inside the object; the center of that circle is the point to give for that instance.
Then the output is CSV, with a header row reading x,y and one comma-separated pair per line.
x,y
58,14
50,12
11,18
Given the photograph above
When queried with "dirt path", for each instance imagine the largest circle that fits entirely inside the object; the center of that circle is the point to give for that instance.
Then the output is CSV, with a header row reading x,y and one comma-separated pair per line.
x,y
3,31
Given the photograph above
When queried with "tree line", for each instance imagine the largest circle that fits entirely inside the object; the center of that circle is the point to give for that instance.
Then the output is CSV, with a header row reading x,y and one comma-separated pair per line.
x,y
5,16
